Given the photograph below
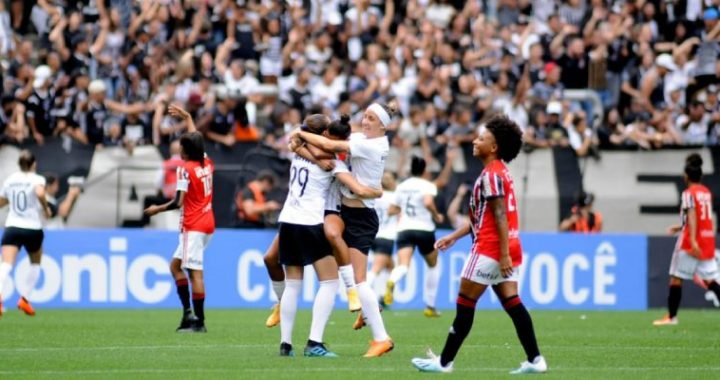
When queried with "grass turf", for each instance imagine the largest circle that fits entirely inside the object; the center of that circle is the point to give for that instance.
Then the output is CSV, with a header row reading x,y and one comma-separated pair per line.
x,y
142,344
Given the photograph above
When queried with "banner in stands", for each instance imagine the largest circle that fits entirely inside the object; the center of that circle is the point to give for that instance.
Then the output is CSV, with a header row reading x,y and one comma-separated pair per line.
x,y
127,268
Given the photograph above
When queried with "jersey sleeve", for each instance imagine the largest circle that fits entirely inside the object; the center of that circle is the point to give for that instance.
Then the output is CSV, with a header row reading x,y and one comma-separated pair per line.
x,y
492,186
430,189
183,179
362,148
340,167
40,180
688,200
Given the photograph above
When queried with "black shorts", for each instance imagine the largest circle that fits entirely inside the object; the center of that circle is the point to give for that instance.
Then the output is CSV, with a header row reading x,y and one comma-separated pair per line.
x,y
383,246
423,240
332,212
361,226
302,245
22,237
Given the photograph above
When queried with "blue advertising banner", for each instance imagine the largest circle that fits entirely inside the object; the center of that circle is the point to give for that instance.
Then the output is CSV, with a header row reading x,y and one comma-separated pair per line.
x,y
127,268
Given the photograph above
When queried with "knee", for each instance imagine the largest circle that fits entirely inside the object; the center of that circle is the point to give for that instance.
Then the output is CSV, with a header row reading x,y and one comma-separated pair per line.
x,y
333,234
511,302
270,260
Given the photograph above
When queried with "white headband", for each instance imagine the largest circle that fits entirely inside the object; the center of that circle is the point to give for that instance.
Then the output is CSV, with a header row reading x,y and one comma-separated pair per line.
x,y
380,112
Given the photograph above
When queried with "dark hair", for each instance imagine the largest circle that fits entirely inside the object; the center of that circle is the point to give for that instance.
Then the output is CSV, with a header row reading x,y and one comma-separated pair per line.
x,y
340,128
585,199
693,167
266,175
508,136
194,146
417,166
26,160
316,123
51,178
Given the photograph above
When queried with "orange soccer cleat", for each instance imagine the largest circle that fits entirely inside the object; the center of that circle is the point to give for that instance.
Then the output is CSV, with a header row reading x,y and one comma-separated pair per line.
x,y
25,306
666,321
274,318
380,348
359,322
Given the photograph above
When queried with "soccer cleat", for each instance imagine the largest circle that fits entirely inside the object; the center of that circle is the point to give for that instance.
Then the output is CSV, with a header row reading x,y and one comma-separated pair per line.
x,y
274,318
431,312
25,306
389,289
195,327
187,321
379,348
353,300
711,297
359,322
537,366
431,364
666,321
286,349
318,350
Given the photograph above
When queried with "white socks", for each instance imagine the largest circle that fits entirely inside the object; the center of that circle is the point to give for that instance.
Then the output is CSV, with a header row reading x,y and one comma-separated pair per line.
x,y
278,288
432,278
5,269
371,276
347,275
371,311
398,273
322,307
288,309
32,279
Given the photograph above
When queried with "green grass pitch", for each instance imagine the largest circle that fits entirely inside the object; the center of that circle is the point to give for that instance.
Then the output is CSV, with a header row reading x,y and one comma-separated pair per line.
x,y
142,344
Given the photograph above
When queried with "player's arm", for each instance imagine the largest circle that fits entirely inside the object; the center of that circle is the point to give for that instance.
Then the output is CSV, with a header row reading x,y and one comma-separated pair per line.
x,y
429,202
174,204
68,203
317,156
497,205
448,241
176,111
692,225
394,210
324,143
3,202
357,188
40,193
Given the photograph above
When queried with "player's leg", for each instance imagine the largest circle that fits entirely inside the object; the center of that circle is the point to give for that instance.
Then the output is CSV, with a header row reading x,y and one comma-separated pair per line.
x,y
380,261
182,283
404,254
277,277
32,278
195,245
708,272
288,307
11,244
508,294
468,296
334,228
197,281
327,272
682,267
432,279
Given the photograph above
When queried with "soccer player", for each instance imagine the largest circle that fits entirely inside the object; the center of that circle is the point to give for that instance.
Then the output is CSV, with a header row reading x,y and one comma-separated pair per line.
x,y
695,249
24,192
415,201
368,149
194,198
302,241
496,252
384,243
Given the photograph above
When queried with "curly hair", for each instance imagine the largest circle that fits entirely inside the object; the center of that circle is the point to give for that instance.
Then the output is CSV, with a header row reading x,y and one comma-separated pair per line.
x,y
193,145
508,136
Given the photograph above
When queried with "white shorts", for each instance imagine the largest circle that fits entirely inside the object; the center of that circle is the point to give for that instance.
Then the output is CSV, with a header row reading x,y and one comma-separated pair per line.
x,y
191,249
485,270
685,266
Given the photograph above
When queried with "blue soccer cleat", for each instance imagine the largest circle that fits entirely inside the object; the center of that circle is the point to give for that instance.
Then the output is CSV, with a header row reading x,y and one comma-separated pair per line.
x,y
318,350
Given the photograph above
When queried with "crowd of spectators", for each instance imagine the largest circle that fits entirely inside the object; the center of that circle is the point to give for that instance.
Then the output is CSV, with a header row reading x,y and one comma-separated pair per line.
x,y
102,72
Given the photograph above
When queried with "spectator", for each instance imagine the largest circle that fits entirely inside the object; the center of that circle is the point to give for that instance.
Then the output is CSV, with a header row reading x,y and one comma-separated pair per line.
x,y
218,124
580,136
695,126
39,104
583,218
550,88
411,140
555,133
61,207
253,208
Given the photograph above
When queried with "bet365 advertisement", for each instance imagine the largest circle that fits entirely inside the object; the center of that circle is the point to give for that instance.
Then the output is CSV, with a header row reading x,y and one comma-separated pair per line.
x,y
130,269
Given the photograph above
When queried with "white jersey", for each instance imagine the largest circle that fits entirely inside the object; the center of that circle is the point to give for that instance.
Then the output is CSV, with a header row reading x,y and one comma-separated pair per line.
x,y
367,163
388,223
309,184
334,197
410,197
25,208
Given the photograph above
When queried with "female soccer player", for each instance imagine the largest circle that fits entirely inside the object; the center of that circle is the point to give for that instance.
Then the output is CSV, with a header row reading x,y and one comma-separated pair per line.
x,y
302,242
384,243
415,201
695,250
496,252
368,150
24,191
194,198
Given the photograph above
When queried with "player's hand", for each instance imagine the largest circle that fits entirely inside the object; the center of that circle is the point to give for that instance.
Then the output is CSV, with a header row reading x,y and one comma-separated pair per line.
x,y
152,210
506,268
439,218
672,230
175,110
273,206
326,165
695,249
444,243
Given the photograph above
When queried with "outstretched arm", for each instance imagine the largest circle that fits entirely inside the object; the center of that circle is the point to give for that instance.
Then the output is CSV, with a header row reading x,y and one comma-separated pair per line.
x,y
325,143
175,110
174,204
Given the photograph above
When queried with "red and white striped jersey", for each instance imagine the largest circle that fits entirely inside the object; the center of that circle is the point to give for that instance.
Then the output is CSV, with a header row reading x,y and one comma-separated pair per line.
x,y
698,197
494,182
